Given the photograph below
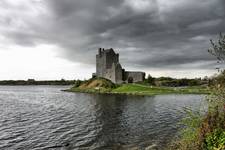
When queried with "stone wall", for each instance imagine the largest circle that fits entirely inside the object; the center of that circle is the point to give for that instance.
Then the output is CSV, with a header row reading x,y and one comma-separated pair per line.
x,y
118,73
107,65
111,57
110,74
135,76
100,63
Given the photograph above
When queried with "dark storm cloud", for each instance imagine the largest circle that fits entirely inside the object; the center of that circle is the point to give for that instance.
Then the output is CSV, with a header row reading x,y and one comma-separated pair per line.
x,y
147,33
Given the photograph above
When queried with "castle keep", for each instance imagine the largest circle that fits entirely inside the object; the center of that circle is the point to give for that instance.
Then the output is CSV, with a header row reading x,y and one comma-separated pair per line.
x,y
108,66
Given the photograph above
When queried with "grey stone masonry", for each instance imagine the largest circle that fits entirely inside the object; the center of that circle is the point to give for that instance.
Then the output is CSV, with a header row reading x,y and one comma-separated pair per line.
x,y
108,66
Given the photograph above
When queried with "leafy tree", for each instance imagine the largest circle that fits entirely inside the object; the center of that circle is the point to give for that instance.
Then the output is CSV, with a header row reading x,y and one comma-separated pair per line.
x,y
218,48
151,80
77,83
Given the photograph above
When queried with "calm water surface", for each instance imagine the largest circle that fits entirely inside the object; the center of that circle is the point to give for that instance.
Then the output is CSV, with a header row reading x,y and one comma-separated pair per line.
x,y
44,117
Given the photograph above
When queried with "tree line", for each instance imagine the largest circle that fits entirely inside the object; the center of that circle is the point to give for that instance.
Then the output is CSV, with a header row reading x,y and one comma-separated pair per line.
x,y
173,82
34,82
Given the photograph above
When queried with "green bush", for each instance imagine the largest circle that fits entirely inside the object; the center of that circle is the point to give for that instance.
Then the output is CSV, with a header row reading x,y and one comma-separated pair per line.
x,y
77,83
215,140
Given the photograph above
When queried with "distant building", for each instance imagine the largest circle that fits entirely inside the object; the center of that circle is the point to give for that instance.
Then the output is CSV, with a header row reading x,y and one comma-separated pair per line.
x,y
108,66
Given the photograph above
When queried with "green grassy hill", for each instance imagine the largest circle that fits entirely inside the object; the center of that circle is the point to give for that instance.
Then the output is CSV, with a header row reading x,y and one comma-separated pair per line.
x,y
101,85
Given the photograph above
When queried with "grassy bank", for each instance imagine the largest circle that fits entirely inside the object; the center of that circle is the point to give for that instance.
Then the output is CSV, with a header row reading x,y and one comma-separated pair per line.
x,y
138,89
105,86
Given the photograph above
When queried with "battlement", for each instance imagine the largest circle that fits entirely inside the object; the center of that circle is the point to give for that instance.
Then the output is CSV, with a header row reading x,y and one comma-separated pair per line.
x,y
102,52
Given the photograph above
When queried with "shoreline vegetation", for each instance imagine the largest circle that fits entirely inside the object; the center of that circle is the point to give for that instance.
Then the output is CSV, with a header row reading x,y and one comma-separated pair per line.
x,y
207,131
204,131
34,82
104,86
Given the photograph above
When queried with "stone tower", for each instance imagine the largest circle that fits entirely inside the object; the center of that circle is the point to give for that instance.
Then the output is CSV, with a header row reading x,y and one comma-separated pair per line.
x,y
108,66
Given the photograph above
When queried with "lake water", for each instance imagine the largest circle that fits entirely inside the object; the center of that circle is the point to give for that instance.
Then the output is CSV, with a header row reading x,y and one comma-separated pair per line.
x,y
44,117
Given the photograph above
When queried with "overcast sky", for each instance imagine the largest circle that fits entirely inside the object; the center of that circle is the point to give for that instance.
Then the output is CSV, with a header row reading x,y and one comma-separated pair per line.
x,y
54,39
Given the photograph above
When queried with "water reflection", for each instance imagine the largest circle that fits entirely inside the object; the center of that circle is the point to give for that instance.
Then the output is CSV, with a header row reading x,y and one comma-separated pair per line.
x,y
121,120
41,117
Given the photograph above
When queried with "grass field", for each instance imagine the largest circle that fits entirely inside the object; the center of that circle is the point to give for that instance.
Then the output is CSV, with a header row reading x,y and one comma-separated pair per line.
x,y
138,89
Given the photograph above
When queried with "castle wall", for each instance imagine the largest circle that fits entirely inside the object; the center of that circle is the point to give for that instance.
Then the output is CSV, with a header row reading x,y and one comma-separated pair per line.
x,y
118,73
110,74
114,74
111,58
136,76
100,63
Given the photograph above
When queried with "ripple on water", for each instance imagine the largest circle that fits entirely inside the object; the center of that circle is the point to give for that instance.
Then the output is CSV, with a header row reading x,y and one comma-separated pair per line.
x,y
40,117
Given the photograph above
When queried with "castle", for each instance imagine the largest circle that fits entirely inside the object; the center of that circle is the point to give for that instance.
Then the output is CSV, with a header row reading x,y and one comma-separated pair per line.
x,y
108,66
